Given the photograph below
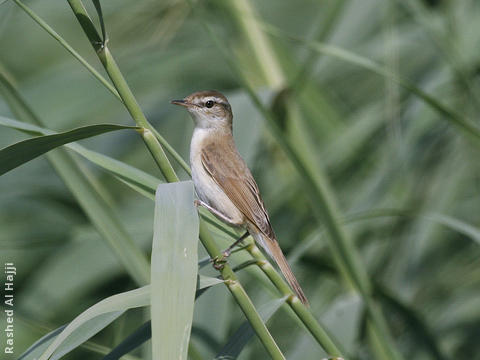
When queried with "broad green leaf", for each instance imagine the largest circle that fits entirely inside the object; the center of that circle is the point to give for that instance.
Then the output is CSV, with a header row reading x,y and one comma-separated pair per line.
x,y
100,315
174,269
23,151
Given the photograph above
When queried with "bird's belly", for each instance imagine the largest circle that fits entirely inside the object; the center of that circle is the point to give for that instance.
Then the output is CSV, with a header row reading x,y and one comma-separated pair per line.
x,y
209,192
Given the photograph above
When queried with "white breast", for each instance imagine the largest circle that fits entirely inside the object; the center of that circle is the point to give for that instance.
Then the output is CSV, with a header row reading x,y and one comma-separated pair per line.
x,y
207,189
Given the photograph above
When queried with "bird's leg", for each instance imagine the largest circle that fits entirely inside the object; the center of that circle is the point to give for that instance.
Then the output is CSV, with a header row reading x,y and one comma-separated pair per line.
x,y
214,212
226,253
219,261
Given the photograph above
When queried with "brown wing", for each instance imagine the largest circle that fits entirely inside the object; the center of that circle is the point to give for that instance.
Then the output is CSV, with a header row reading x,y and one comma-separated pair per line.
x,y
231,173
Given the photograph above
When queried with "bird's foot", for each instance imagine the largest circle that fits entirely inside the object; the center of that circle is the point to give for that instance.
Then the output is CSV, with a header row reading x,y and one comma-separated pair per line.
x,y
220,261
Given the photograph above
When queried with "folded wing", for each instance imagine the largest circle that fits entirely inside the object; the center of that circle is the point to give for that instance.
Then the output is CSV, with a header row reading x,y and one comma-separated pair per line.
x,y
233,176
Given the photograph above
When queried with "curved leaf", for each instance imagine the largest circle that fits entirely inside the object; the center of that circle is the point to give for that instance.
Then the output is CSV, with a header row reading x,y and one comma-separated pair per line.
x,y
174,269
39,346
135,339
23,151
144,332
137,179
131,342
456,225
98,316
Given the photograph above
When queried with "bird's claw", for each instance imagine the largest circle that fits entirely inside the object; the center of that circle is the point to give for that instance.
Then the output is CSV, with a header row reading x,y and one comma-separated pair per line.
x,y
220,261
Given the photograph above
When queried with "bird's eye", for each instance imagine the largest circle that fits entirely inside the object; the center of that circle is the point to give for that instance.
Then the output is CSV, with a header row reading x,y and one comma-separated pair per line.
x,y
209,103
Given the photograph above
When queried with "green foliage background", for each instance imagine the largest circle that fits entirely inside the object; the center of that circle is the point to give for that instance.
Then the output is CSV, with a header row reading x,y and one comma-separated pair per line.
x,y
405,176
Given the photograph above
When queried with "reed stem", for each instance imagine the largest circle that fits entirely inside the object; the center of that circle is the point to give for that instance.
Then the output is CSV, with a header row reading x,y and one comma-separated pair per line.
x,y
163,163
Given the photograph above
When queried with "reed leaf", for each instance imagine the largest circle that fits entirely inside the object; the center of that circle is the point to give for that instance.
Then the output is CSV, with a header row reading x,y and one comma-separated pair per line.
x,y
174,269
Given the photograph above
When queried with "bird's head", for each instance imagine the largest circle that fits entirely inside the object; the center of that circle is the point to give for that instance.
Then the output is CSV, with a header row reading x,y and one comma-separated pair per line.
x,y
209,110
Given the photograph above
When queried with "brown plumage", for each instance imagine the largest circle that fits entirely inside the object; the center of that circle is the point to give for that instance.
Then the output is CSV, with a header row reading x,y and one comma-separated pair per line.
x,y
222,179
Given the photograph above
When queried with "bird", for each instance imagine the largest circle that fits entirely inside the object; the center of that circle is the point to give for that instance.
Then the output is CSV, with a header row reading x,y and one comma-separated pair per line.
x,y
222,180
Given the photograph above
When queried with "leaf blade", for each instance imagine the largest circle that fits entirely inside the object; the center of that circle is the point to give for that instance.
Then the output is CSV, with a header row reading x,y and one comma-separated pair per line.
x,y
23,151
109,309
137,179
174,269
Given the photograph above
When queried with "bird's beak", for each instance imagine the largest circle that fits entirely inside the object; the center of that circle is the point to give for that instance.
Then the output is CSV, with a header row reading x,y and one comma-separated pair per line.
x,y
180,102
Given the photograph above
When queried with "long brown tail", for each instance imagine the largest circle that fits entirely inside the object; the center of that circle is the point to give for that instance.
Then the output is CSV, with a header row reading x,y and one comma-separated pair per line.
x,y
277,254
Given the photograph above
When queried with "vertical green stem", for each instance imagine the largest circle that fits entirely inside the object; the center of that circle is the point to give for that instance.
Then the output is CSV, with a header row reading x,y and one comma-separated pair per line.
x,y
158,155
323,199
162,161
240,295
123,89
303,313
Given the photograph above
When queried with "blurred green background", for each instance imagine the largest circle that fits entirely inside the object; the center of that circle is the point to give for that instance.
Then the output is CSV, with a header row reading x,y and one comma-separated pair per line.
x,y
405,176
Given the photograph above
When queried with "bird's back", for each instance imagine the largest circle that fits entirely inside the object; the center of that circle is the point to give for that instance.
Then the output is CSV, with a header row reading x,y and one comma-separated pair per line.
x,y
222,162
